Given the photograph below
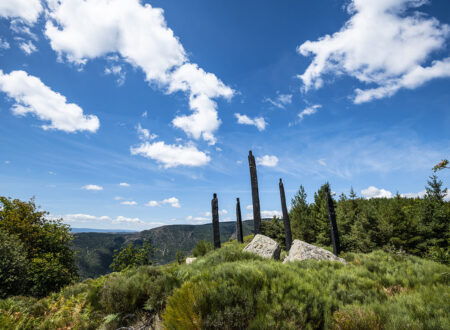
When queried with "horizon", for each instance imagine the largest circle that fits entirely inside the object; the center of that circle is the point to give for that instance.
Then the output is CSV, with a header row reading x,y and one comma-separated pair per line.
x,y
117,130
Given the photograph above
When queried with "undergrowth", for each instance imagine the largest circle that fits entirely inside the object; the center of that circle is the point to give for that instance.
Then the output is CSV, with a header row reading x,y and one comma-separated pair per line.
x,y
230,289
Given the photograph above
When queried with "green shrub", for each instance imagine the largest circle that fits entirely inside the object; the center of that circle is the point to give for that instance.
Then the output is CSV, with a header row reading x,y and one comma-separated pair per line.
x,y
202,248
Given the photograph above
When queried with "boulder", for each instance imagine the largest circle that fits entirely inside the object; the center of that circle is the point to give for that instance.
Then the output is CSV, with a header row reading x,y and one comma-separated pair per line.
x,y
302,251
190,260
264,246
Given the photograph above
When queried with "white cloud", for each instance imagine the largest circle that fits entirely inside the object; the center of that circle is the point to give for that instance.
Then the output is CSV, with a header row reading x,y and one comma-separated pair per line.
x,y
122,219
172,201
27,47
83,218
171,155
420,194
309,111
200,219
32,96
26,10
130,203
266,214
93,187
144,114
140,35
385,43
144,134
374,192
221,212
281,101
116,70
267,160
258,122
124,184
249,207
322,162
117,198
4,44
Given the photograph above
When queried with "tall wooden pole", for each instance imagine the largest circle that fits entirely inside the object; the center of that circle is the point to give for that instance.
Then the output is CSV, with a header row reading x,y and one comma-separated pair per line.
x,y
333,224
215,221
255,193
239,233
286,221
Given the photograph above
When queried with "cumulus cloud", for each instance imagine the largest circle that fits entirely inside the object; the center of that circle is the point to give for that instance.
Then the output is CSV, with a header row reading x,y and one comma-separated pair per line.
x,y
172,201
258,122
144,134
4,44
130,203
374,192
27,11
309,111
139,34
280,101
266,214
267,160
116,70
420,194
82,218
200,219
124,184
384,43
31,95
170,155
221,212
93,187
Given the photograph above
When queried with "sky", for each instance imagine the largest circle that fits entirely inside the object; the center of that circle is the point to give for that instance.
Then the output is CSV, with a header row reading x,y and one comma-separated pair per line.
x,y
128,114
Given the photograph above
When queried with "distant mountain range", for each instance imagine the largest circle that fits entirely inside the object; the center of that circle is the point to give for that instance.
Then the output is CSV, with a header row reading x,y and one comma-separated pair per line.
x,y
95,230
95,249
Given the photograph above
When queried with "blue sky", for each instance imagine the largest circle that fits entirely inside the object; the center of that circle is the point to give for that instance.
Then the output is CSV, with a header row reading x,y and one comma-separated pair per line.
x,y
130,114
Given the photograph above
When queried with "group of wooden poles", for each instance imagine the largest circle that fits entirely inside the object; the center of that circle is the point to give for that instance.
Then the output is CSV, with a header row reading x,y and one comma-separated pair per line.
x,y
257,213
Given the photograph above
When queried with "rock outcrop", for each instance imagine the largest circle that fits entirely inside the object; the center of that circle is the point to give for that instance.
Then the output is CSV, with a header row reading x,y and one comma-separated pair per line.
x,y
190,260
264,246
302,251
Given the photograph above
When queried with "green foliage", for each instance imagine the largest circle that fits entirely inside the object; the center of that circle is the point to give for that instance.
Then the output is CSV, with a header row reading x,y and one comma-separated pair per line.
x,y
132,256
275,230
13,265
45,244
181,257
418,226
202,248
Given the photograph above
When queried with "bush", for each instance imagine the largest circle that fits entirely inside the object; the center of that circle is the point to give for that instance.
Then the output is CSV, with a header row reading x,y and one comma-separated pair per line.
x,y
132,256
202,248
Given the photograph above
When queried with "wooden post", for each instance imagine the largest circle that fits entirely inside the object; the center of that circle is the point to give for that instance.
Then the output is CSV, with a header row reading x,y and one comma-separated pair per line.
x,y
333,224
286,221
215,221
255,194
239,233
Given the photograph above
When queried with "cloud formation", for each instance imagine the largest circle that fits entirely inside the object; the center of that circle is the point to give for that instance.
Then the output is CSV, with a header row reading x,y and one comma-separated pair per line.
x,y
172,201
87,218
384,43
92,187
258,122
139,34
280,101
130,203
374,192
171,155
27,11
309,111
31,95
267,160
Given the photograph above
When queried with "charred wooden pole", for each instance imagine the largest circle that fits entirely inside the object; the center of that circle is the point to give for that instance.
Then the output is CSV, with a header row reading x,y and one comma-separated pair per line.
x,y
239,233
255,194
286,221
333,224
215,221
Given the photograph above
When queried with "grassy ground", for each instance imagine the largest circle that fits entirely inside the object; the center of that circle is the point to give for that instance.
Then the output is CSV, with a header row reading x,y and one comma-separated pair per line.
x,y
229,289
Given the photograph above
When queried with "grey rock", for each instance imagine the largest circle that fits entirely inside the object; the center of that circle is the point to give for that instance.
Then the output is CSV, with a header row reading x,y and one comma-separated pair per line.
x,y
303,251
264,246
190,260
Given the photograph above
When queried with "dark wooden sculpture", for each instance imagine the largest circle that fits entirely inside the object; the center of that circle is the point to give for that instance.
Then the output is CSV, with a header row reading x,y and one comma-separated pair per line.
x,y
286,221
215,221
239,233
255,194
333,224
